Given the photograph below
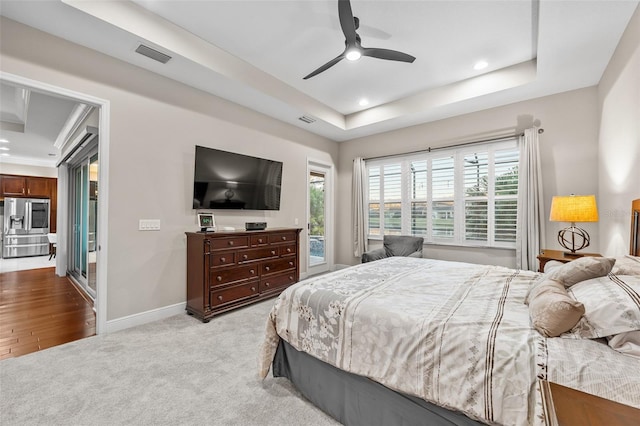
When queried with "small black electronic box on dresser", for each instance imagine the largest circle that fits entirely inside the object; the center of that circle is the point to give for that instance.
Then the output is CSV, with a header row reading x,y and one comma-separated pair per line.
x,y
227,270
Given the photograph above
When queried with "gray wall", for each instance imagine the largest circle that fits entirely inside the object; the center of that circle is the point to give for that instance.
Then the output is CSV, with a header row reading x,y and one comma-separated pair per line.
x,y
155,125
619,141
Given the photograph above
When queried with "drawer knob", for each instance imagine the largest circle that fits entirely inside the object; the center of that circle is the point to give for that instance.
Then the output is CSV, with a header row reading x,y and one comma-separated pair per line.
x,y
266,284
230,243
288,250
222,259
219,278
253,289
273,252
253,272
266,268
259,240
284,238
290,263
220,298
290,278
245,257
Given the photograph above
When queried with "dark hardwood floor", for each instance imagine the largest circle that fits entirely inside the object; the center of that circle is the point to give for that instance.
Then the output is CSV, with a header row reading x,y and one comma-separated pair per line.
x,y
39,310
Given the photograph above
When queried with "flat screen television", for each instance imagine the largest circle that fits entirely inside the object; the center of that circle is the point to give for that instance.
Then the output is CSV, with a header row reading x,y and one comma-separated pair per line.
x,y
226,180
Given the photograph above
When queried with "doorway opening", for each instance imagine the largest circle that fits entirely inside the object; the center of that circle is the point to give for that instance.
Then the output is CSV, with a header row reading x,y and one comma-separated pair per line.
x,y
81,254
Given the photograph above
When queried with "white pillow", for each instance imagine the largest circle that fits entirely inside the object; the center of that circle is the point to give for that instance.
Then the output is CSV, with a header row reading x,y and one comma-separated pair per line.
x,y
627,265
611,303
626,343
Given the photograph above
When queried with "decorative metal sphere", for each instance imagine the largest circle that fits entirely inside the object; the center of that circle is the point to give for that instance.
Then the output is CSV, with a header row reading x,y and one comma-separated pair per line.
x,y
573,238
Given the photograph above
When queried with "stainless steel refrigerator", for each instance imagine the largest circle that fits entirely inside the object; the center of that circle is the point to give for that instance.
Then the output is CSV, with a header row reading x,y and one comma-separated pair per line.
x,y
25,227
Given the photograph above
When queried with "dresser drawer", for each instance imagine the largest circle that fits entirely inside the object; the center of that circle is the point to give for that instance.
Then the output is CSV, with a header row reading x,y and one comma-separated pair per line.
x,y
283,237
229,243
224,258
273,266
229,275
234,293
288,249
251,255
277,282
259,240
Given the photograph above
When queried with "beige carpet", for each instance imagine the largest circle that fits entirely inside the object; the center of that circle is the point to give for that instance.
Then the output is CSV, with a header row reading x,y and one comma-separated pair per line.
x,y
177,371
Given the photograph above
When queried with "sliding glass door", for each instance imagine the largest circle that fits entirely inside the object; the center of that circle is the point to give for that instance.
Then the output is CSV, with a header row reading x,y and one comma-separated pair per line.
x,y
83,220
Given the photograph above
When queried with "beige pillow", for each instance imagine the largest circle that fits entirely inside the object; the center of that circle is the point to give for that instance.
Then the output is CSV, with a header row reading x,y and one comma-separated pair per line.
x,y
551,309
581,269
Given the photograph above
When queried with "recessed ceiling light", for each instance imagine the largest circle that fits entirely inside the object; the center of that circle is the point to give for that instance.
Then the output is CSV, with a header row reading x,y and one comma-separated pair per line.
x,y
4,148
363,102
480,65
4,141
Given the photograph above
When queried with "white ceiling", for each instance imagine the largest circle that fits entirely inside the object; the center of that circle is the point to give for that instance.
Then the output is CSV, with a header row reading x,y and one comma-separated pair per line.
x,y
255,53
30,123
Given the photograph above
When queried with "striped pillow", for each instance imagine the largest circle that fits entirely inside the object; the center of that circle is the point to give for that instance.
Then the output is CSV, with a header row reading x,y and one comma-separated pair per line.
x,y
612,306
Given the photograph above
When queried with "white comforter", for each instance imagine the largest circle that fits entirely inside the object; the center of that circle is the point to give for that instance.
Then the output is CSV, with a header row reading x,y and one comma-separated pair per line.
x,y
454,334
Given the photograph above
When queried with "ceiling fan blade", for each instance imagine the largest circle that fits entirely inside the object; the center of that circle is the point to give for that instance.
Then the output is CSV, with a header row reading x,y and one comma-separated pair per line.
x,y
391,55
347,22
326,66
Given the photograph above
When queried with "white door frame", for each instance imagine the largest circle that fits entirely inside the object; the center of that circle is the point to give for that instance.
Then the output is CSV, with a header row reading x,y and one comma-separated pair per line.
x,y
100,304
328,170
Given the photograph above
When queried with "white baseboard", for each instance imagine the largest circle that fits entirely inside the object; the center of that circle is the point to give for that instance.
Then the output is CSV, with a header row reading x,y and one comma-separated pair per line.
x,y
145,317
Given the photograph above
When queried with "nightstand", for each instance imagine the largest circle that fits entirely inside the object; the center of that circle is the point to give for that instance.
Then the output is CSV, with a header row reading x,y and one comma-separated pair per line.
x,y
559,255
569,407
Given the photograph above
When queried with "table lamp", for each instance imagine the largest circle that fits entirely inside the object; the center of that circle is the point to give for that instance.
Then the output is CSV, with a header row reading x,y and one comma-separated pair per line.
x,y
573,208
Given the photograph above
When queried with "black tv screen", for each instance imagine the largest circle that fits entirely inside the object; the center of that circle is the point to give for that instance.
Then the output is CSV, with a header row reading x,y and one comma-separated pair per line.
x,y
226,180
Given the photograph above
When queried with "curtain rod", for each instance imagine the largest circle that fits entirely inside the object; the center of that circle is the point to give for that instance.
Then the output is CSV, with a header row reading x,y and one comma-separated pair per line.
x,y
429,149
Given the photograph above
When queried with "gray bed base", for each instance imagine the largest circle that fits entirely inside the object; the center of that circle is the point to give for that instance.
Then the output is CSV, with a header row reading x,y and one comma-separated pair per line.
x,y
356,400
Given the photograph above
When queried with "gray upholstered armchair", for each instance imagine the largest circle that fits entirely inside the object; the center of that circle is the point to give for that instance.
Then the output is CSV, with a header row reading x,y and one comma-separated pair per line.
x,y
395,245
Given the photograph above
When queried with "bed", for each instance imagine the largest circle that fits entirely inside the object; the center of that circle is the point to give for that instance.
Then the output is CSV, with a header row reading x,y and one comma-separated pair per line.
x,y
405,341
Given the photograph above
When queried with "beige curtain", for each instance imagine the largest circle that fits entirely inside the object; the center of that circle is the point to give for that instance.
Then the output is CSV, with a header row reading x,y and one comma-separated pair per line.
x,y
530,222
360,242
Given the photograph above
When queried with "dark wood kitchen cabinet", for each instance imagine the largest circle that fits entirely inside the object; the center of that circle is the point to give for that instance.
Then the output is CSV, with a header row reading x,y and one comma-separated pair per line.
x,y
27,186
227,270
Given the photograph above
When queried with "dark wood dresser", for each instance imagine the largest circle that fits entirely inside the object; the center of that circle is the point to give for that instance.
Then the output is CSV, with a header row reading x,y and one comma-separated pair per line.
x,y
227,270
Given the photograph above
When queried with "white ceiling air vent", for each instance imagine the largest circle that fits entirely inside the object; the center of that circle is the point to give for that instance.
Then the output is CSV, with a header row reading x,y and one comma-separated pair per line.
x,y
153,54
307,119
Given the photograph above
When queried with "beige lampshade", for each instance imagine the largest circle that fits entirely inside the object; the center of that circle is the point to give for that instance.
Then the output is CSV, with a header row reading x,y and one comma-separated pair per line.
x,y
574,208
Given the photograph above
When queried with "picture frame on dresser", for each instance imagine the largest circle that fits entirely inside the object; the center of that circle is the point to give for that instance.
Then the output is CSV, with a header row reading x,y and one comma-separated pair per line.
x,y
207,222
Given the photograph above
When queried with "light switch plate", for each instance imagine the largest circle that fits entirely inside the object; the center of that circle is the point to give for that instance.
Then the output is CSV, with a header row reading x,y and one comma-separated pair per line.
x,y
149,225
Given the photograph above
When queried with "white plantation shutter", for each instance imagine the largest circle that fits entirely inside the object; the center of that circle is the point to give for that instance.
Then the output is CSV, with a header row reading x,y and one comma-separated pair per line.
x,y
374,202
476,206
506,194
464,196
418,184
392,189
443,197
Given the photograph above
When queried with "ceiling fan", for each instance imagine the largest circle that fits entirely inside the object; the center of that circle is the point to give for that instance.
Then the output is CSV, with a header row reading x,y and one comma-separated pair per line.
x,y
353,49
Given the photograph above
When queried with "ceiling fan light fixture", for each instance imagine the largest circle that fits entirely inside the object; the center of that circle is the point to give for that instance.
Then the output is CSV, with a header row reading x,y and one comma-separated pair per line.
x,y
353,54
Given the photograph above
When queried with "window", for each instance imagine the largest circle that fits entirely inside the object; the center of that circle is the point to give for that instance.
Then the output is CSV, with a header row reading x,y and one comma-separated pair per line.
x,y
463,196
